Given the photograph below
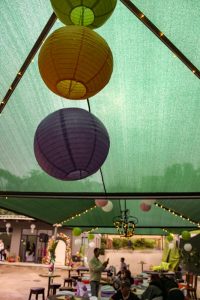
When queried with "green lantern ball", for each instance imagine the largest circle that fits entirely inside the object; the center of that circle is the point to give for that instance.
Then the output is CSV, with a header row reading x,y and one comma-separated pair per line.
x,y
186,235
90,13
77,231
90,236
170,237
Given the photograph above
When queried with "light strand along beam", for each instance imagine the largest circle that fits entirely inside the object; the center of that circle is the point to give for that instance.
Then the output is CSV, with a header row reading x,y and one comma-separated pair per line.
x,y
137,196
28,60
161,36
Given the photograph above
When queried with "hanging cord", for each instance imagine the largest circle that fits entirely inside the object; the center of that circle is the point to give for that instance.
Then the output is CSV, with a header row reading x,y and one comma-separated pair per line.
x,y
88,103
102,178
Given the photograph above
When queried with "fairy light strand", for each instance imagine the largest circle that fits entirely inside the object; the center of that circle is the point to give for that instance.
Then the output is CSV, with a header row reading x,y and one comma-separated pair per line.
x,y
173,212
78,215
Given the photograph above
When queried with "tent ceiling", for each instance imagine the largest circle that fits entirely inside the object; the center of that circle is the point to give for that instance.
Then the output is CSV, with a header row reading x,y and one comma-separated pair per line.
x,y
150,108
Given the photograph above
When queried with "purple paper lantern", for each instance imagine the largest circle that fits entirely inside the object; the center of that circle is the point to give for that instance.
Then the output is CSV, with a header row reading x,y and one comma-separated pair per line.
x,y
71,144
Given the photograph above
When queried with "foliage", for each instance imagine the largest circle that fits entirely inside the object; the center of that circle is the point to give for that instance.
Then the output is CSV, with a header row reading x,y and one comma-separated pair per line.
x,y
52,244
103,243
133,243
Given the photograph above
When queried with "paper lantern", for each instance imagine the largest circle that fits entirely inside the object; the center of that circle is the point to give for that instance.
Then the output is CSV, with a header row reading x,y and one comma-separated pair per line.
x,y
149,201
76,231
185,235
187,247
75,62
171,245
77,242
92,244
91,13
90,236
145,207
32,226
101,202
170,237
108,207
71,144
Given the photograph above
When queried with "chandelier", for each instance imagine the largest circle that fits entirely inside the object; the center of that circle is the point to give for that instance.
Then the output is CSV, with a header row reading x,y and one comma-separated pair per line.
x,y
125,223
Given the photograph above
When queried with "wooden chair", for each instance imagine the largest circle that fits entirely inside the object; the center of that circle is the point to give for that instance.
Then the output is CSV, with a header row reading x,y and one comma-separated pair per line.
x,y
191,287
37,291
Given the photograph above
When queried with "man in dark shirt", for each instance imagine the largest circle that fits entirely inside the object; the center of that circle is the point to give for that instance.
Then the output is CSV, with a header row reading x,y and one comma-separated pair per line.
x,y
124,292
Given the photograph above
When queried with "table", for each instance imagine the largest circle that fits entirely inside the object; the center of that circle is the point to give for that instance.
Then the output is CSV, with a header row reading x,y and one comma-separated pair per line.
x,y
50,277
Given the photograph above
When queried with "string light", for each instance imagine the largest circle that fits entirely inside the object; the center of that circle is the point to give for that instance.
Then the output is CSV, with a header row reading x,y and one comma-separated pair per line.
x,y
92,230
78,215
177,214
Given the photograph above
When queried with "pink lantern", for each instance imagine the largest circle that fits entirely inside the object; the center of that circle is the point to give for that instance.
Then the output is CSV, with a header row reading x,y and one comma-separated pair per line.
x,y
101,202
145,207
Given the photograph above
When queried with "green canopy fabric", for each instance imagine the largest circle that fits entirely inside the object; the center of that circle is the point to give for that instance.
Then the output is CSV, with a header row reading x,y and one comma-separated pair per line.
x,y
150,108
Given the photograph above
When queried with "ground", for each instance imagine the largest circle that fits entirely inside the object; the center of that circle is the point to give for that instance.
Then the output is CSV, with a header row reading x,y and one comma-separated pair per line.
x,y
17,279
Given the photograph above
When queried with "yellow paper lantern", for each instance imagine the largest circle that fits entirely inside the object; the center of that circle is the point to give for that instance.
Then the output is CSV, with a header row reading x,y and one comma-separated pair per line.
x,y
75,62
91,13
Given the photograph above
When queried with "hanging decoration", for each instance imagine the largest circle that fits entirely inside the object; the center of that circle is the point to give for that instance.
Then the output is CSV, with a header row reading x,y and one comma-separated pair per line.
x,y
91,13
77,242
185,235
108,207
170,237
101,202
76,231
145,207
75,62
90,236
125,223
8,225
71,144
91,244
32,228
187,247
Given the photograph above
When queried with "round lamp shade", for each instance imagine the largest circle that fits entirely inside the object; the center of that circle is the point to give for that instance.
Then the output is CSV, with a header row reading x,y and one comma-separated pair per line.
x,y
76,231
71,144
90,237
170,237
108,207
91,13
186,235
145,207
75,62
101,202
187,247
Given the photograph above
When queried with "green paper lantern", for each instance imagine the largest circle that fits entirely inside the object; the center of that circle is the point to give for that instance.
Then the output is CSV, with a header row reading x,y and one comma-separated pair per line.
x,y
90,13
77,231
186,235
170,237
90,236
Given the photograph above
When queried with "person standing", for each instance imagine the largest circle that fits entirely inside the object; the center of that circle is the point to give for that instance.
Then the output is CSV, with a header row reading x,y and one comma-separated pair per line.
x,y
123,265
95,268
1,250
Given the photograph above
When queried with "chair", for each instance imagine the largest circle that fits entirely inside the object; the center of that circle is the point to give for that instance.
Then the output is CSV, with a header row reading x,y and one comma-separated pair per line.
x,y
68,281
53,287
37,291
191,287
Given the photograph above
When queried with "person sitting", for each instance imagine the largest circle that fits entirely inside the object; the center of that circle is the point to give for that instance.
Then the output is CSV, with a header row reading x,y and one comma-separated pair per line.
x,y
124,292
123,276
154,290
171,290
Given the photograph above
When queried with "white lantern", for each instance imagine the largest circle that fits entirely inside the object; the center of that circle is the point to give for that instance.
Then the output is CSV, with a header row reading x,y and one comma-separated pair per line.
x,y
108,207
171,245
8,225
77,242
92,244
187,247
32,228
